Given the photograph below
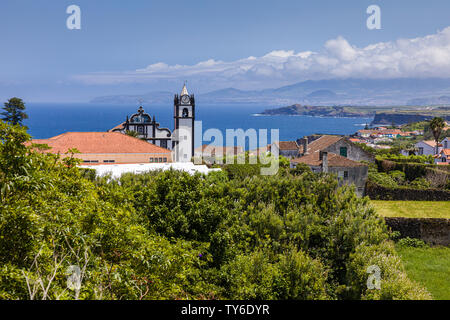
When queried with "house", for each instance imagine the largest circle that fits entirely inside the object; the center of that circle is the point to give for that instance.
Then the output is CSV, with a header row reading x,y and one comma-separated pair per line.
x,y
339,145
106,148
349,172
446,143
288,149
443,158
426,147
336,154
212,154
262,151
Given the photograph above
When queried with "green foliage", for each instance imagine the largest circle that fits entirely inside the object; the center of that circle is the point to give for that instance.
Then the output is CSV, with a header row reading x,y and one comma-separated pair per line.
x,y
437,124
292,275
14,111
171,235
407,159
394,284
411,242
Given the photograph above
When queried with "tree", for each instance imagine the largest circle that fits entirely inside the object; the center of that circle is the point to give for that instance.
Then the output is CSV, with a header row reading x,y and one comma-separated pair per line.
x,y
14,111
436,126
132,133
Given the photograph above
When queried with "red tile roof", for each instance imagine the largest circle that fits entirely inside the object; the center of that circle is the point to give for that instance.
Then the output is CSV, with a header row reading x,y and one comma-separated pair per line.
x,y
334,160
431,143
446,152
118,127
99,142
322,143
288,145
212,150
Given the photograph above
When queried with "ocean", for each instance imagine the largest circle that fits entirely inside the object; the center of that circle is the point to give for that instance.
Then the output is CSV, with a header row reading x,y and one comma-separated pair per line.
x,y
49,119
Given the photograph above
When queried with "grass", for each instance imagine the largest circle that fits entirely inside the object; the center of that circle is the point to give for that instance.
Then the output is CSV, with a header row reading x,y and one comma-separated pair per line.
x,y
430,267
413,209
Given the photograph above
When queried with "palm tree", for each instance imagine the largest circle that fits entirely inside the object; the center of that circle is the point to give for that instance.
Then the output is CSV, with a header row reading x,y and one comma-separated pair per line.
x,y
436,126
131,133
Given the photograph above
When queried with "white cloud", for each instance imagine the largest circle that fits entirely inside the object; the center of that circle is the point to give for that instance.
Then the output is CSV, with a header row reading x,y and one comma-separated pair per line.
x,y
422,57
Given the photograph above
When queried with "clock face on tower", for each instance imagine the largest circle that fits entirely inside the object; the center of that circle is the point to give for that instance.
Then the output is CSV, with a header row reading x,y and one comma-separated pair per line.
x,y
185,99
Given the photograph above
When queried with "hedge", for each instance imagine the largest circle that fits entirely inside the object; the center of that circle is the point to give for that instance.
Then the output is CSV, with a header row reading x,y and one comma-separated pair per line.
x,y
377,192
412,170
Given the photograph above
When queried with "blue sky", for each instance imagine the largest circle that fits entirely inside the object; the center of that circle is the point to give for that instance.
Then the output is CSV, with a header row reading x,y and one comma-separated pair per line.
x,y
41,60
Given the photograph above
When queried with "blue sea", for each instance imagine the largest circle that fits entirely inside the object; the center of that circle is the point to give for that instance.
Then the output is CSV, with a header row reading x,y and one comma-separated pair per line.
x,y
50,119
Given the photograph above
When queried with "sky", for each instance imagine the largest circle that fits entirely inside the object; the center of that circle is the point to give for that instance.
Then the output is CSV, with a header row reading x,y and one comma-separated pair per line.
x,y
139,46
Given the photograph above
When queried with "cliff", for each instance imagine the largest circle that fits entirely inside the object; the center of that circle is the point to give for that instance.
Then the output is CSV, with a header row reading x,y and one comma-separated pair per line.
x,y
317,111
404,118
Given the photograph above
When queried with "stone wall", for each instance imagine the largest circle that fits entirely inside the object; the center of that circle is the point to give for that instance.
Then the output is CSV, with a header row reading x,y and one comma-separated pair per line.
x,y
433,231
377,192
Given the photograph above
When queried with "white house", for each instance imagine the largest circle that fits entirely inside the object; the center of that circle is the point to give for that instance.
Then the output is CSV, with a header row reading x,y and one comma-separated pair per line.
x,y
446,143
443,158
427,147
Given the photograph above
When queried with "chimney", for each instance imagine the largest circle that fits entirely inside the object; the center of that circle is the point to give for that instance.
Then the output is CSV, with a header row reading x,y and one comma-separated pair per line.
x,y
305,146
324,161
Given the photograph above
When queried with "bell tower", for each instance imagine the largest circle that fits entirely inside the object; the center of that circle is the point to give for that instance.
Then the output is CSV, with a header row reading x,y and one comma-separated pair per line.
x,y
184,117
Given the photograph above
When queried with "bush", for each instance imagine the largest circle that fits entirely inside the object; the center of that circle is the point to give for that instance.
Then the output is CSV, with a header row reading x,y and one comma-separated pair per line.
x,y
293,275
412,242
394,283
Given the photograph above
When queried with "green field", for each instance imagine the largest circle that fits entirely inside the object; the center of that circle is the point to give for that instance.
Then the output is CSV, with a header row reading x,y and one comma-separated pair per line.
x,y
430,267
413,209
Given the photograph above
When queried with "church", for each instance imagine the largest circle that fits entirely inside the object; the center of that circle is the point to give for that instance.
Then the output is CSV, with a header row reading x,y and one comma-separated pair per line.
x,y
180,141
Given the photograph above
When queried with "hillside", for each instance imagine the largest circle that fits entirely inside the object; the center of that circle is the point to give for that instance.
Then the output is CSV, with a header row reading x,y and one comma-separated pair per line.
x,y
342,92
318,111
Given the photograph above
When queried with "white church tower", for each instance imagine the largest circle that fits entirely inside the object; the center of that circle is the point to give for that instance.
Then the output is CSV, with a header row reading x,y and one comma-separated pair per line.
x,y
183,135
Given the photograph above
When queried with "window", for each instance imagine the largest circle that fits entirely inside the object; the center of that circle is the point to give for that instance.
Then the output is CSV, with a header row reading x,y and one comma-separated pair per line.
x,y
165,159
160,159
420,150
444,159
151,160
345,175
343,151
185,113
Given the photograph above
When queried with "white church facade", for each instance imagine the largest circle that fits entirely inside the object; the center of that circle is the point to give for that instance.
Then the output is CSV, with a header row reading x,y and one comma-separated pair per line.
x,y
180,141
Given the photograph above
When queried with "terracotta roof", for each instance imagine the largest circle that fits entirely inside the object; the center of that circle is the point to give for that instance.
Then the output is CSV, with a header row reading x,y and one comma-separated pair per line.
x,y
334,160
99,142
446,152
288,145
431,143
119,126
322,143
261,150
212,150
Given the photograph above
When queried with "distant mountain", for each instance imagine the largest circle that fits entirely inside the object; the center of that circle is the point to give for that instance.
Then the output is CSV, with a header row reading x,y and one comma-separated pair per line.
x,y
436,101
322,94
370,92
155,97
